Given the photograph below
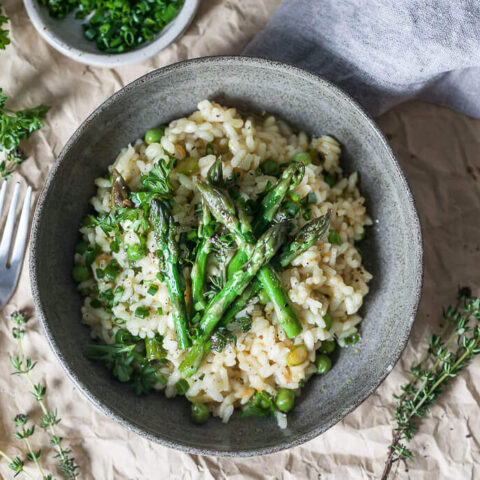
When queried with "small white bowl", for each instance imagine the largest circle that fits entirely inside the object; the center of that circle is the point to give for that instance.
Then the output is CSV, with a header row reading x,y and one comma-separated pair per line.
x,y
67,37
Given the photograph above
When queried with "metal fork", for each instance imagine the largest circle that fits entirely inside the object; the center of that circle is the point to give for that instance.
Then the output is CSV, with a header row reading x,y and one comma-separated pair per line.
x,y
10,271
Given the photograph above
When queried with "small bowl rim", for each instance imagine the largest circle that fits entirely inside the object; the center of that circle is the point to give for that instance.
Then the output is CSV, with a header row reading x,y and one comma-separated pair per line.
x,y
111,411
113,60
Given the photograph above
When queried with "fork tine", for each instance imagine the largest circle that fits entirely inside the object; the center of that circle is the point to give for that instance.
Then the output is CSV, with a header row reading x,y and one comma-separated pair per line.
x,y
9,227
2,196
22,232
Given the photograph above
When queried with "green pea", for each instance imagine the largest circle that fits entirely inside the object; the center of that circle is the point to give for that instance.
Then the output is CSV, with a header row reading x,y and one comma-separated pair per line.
x,y
297,355
330,179
81,273
323,363
182,386
352,339
81,248
270,167
199,413
187,166
328,319
154,135
334,237
94,303
285,400
138,250
328,346
263,402
142,312
303,157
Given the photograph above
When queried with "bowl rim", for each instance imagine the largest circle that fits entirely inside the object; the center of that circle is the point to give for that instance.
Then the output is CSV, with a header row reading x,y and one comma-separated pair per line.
x,y
111,411
113,60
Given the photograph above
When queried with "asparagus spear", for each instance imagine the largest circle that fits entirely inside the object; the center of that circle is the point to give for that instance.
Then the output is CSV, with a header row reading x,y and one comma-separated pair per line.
x,y
290,178
307,236
164,229
261,253
223,210
215,177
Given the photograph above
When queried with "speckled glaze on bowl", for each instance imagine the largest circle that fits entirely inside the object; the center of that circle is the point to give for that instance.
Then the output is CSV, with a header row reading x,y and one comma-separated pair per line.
x,y
392,251
67,37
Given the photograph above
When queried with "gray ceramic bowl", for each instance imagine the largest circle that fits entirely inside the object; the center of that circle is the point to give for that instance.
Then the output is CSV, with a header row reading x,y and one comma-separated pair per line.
x,y
67,36
393,249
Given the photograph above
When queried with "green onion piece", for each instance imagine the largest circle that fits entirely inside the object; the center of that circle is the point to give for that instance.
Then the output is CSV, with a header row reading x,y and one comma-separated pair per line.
x,y
154,348
152,289
142,312
112,270
311,198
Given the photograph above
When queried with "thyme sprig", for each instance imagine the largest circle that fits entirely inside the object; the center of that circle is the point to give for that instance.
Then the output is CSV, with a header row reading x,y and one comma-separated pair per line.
x,y
446,356
48,421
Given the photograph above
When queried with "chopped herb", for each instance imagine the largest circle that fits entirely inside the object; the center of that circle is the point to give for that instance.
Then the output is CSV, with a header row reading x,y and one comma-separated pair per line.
x,y
152,289
14,127
221,338
118,26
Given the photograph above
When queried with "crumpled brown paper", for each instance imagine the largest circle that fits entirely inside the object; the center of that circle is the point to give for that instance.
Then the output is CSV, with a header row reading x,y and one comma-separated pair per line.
x,y
440,152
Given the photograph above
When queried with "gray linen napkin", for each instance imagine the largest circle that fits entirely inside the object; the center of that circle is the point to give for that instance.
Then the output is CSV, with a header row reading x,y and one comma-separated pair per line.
x,y
383,52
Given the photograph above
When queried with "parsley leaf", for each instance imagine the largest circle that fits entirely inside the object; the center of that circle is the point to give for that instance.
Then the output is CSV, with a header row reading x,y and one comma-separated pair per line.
x,y
14,127
4,40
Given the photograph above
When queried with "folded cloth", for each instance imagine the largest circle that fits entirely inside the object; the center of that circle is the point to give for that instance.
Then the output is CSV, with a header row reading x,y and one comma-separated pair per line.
x,y
382,52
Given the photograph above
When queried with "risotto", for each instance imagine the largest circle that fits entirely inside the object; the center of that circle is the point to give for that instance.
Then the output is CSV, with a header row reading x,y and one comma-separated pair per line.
x,y
154,214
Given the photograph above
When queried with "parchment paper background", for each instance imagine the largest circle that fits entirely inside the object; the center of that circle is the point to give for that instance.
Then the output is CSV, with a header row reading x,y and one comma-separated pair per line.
x,y
440,152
